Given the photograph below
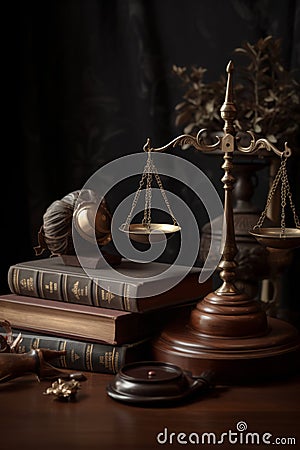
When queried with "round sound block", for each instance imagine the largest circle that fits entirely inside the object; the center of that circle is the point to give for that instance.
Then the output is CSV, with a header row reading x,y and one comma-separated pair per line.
x,y
154,382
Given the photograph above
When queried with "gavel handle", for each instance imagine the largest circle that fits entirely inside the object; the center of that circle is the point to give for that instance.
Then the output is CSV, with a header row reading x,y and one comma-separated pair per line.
x,y
14,365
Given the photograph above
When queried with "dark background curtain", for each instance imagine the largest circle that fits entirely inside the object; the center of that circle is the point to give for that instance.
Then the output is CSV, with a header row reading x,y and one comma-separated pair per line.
x,y
95,81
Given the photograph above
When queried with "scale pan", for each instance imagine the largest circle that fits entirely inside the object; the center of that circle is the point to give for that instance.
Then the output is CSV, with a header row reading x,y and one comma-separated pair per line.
x,y
139,232
274,238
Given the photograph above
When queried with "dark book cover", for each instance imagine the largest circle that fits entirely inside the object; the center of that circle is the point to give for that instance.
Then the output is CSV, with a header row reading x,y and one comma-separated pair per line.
x,y
83,355
128,287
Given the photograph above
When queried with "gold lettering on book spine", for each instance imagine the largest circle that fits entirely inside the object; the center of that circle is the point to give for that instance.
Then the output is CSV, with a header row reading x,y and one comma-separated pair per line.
x,y
107,295
79,292
74,356
27,283
51,287
108,360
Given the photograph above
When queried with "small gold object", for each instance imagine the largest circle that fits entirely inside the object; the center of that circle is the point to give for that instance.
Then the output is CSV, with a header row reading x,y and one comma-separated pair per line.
x,y
63,390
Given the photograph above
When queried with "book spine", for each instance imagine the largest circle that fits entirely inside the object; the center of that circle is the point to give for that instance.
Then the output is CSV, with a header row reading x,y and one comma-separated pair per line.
x,y
72,288
81,356
23,281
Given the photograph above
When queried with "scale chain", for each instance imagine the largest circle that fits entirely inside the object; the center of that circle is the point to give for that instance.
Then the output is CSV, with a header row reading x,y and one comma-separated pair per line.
x,y
270,196
289,195
137,195
163,193
148,195
147,175
285,192
283,201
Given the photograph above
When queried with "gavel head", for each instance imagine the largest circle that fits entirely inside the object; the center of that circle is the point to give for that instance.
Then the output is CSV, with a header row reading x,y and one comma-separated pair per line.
x,y
83,209
92,219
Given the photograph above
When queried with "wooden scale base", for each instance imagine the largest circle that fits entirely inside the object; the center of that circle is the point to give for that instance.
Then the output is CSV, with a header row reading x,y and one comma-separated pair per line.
x,y
237,341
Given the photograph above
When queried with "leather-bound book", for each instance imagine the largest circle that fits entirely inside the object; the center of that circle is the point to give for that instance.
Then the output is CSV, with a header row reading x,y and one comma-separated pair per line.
x,y
128,287
81,355
76,321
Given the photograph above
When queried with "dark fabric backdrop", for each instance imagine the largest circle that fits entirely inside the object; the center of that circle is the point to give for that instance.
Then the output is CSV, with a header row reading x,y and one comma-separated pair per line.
x,y
95,81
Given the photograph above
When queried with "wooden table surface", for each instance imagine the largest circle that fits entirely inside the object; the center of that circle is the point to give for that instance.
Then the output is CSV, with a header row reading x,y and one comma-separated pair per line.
x,y
31,420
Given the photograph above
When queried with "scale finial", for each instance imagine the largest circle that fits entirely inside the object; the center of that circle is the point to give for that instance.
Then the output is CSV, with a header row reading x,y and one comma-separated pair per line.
x,y
229,89
228,109
147,146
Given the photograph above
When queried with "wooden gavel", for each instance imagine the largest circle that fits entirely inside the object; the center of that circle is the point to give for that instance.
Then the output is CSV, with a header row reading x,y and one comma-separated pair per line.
x,y
14,365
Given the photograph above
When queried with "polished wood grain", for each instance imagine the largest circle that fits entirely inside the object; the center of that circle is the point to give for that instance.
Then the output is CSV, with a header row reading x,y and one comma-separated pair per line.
x,y
32,420
276,353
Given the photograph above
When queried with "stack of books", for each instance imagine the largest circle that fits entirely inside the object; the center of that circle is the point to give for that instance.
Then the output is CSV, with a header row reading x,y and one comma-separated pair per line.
x,y
101,326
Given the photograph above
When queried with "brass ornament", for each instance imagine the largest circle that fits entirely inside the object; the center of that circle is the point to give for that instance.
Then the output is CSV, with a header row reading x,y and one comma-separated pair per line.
x,y
63,390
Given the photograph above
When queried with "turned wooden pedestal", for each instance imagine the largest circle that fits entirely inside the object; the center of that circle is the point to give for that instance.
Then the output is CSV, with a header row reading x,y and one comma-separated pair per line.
x,y
232,336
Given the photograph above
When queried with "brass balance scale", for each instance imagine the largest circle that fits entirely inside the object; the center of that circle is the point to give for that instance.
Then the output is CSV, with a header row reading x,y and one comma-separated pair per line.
x,y
148,232
227,331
